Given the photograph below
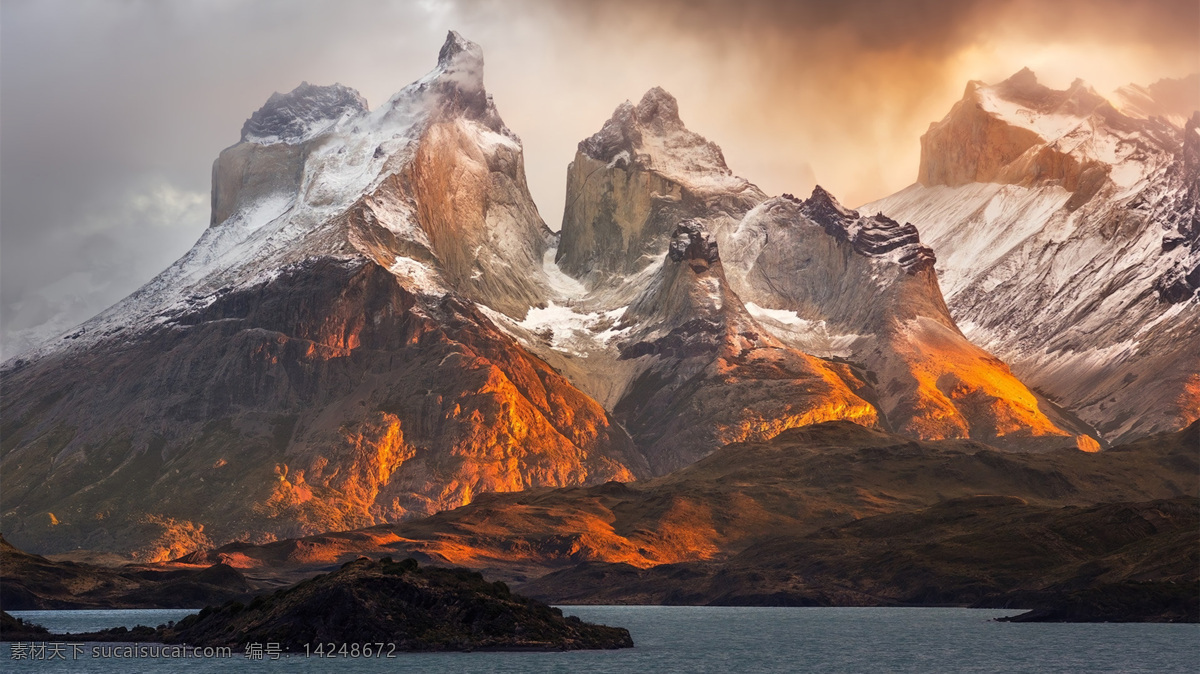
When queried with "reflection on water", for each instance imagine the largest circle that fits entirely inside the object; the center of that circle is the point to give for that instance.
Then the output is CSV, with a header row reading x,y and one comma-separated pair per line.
x,y
719,639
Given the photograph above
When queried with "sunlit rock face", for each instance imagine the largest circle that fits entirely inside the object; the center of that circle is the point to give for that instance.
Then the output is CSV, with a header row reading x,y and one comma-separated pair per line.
x,y
631,182
1073,254
708,374
856,291
318,361
869,284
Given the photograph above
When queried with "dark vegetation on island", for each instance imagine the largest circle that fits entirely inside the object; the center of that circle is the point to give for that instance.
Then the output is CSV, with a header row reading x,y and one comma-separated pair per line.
x,y
378,602
16,629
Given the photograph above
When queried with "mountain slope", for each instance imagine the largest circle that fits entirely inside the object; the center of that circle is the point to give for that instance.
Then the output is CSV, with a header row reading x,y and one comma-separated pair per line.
x,y
1068,242
709,374
316,361
830,283
742,497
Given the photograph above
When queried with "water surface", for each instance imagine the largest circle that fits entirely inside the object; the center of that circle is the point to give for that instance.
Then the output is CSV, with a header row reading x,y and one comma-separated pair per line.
x,y
732,639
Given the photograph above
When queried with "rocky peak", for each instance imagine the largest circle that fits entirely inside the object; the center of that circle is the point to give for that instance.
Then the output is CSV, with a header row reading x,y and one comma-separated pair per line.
x,y
458,47
1079,99
823,207
658,109
461,62
1024,133
619,134
302,113
876,236
653,137
691,243
657,113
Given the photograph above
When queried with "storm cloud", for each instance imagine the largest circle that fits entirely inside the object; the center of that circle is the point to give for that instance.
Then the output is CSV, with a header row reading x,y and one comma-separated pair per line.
x,y
111,113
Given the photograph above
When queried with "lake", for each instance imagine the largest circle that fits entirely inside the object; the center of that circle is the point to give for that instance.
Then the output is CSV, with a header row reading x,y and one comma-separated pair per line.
x,y
728,639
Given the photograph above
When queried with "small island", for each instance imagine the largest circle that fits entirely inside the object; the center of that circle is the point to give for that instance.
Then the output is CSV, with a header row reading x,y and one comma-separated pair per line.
x,y
384,602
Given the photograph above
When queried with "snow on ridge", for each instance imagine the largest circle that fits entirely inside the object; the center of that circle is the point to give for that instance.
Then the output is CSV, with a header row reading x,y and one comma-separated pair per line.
x,y
811,337
418,276
350,151
1050,126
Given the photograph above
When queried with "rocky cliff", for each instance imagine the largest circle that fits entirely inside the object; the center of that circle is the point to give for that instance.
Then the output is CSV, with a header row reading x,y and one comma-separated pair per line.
x,y
1073,254
708,374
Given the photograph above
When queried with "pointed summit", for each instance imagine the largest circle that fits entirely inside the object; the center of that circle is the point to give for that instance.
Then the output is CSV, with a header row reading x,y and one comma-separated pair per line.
x,y
673,171
454,46
331,307
461,61
658,109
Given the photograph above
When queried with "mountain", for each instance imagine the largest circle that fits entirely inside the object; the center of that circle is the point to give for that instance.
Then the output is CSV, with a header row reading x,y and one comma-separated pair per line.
x,y
858,292
317,361
32,582
377,326
760,497
1174,99
1068,243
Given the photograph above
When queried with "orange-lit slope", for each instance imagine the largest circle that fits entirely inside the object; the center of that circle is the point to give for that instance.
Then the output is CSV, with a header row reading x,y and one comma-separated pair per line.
x,y
329,398
863,288
741,497
707,374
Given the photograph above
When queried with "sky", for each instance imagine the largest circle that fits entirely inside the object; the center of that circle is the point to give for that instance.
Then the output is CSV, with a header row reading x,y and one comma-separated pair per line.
x,y
112,111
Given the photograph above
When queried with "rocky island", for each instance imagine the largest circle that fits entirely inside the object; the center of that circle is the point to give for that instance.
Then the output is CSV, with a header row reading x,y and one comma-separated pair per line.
x,y
397,606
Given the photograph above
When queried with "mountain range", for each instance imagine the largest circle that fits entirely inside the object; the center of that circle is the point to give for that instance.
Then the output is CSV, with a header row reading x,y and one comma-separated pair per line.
x,y
378,326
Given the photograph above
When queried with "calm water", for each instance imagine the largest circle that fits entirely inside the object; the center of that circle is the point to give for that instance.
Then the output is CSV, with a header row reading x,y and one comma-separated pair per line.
x,y
740,640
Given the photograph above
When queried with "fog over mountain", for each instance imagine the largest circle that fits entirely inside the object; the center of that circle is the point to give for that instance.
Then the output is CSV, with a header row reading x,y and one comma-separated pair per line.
x,y
111,112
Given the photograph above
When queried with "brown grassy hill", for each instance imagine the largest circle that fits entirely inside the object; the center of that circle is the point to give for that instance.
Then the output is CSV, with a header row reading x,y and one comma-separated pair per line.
x,y
802,481
31,582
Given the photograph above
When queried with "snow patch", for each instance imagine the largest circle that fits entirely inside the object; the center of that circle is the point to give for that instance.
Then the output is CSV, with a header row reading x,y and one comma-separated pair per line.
x,y
418,275
1050,126
574,333
809,336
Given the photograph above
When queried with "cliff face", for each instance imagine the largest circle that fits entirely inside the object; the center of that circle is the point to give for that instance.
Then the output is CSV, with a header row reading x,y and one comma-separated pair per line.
x,y
1077,260
707,374
999,133
317,361
817,279
864,288
633,181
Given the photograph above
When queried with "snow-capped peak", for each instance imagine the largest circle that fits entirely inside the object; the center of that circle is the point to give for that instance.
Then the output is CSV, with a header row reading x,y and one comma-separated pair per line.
x,y
1023,101
301,114
311,177
652,137
461,61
